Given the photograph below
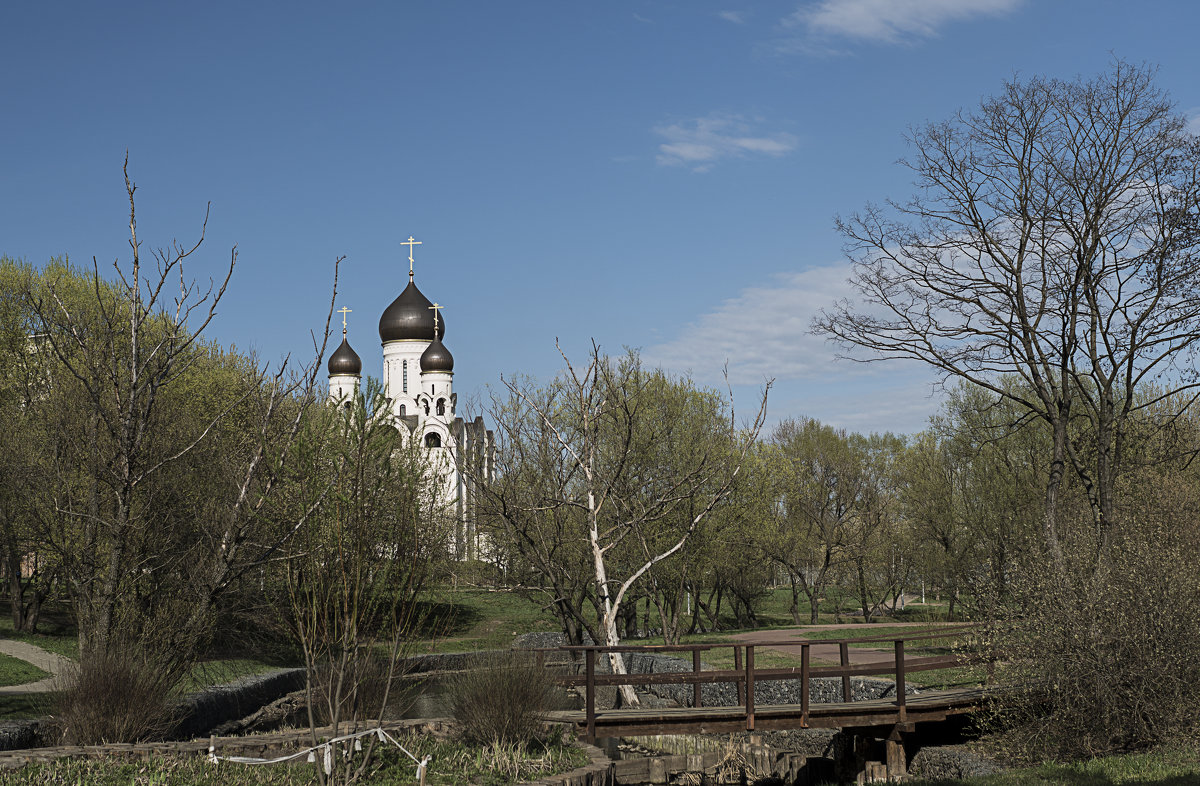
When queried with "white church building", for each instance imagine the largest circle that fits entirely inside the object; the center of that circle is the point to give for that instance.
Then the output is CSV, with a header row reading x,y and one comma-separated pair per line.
x,y
418,380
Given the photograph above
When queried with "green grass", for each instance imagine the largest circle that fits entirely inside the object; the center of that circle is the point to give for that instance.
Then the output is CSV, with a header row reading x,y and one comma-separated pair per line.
x,y
460,620
451,764
222,672
23,706
474,619
14,671
773,611
1177,767
56,634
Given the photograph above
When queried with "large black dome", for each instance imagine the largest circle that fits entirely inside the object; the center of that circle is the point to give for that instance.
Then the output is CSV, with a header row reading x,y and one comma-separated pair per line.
x,y
410,316
345,360
436,357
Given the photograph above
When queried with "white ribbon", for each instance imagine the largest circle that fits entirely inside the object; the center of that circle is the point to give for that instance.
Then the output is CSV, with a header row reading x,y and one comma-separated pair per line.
x,y
327,750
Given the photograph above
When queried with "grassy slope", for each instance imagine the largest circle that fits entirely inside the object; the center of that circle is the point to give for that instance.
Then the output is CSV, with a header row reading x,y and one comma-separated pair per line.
x,y
478,619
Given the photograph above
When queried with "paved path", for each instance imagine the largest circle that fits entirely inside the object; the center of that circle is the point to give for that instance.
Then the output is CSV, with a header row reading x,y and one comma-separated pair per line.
x,y
788,640
48,662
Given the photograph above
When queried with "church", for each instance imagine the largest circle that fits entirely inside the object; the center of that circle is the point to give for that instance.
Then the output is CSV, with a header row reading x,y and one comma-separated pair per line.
x,y
418,381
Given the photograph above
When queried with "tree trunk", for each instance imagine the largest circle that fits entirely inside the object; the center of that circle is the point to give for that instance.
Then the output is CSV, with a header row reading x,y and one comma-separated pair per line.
x,y
863,596
1058,467
795,608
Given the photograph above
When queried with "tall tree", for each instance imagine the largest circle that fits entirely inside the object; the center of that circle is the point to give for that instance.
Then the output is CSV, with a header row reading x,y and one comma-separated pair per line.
x,y
819,479
876,533
147,553
601,442
1052,237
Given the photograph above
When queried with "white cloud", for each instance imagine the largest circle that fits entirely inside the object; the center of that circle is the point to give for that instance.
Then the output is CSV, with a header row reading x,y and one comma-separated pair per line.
x,y
642,19
763,333
889,21
737,17
1193,120
700,143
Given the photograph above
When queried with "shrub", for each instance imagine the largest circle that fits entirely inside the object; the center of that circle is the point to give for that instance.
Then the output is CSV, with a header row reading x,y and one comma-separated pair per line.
x,y
500,699
1106,658
354,688
117,696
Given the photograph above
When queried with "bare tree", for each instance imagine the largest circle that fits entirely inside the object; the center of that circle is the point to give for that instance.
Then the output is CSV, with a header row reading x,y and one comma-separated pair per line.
x,y
1052,237
590,429
120,353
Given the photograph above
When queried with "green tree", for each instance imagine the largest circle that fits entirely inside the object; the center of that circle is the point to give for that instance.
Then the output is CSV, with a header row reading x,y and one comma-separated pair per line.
x,y
161,456
875,537
819,478
358,566
30,571
606,474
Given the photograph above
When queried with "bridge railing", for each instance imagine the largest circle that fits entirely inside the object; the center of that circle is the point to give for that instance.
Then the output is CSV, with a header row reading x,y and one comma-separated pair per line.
x,y
745,674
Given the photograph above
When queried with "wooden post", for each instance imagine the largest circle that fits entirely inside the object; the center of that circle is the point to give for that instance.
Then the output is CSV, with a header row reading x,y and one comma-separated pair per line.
x,y
847,695
741,684
804,671
897,763
697,699
590,691
749,687
901,696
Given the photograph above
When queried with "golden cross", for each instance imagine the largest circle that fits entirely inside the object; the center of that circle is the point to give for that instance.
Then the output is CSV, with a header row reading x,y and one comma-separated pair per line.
x,y
344,311
435,308
410,243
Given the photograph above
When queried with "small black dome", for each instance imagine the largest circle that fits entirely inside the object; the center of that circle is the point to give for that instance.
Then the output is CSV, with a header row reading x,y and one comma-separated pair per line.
x,y
344,360
410,316
436,357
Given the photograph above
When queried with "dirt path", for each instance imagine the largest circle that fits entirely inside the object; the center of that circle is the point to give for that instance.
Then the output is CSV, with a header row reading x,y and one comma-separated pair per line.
x,y
788,641
48,662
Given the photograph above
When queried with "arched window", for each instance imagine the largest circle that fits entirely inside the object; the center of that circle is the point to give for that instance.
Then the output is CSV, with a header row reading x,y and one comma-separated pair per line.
x,y
404,377
402,410
433,440
441,406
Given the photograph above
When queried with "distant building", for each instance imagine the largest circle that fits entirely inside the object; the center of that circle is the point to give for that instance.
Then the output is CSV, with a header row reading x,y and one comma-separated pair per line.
x,y
418,380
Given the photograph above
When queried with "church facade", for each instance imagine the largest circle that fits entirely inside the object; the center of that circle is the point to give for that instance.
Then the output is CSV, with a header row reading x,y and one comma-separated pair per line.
x,y
418,381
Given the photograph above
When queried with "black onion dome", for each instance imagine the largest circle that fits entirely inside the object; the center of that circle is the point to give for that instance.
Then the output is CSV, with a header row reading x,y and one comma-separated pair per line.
x,y
345,360
436,357
410,316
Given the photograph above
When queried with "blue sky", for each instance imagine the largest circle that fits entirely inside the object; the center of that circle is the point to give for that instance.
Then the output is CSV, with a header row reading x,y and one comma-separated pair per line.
x,y
660,175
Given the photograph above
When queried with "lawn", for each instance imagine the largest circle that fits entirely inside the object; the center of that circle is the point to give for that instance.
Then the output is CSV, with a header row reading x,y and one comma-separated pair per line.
x,y
222,672
21,706
464,620
461,620
1171,767
450,764
14,671
56,633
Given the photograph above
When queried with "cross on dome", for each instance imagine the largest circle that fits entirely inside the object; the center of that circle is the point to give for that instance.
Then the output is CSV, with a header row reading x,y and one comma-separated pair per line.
x,y
410,243
344,311
436,308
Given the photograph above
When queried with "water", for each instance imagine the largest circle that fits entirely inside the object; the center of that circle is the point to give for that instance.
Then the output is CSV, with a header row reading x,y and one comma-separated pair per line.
x,y
429,698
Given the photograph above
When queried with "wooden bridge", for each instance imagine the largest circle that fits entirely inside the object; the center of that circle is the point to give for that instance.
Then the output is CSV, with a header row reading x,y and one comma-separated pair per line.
x,y
884,718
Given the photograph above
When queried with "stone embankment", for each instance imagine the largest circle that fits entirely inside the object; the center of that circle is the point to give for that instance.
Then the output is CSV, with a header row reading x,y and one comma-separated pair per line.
x,y
197,713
